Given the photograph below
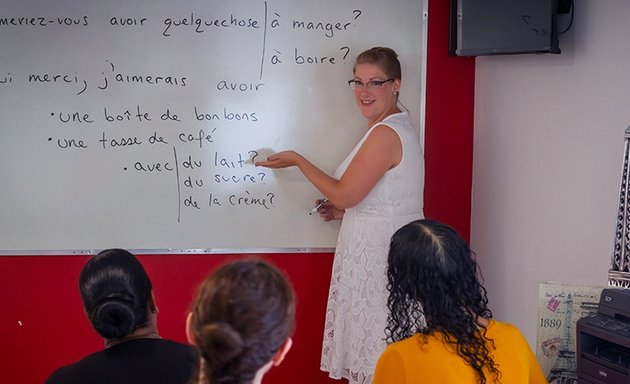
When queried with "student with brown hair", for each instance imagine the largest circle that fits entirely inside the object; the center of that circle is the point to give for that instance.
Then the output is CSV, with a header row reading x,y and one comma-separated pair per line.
x,y
241,322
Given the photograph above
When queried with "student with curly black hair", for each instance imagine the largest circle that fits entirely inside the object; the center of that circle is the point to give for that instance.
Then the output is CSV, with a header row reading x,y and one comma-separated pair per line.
x,y
440,328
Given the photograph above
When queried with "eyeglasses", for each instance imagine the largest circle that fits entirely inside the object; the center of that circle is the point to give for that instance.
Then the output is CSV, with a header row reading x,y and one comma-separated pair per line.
x,y
374,84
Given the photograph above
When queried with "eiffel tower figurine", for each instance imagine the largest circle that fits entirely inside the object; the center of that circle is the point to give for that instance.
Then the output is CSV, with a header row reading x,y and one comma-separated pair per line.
x,y
619,272
564,369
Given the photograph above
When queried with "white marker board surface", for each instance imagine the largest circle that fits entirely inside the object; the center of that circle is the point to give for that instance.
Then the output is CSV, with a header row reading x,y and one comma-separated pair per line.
x,y
134,124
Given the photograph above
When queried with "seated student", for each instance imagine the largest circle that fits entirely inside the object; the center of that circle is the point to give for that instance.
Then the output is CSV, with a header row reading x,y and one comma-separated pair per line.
x,y
241,322
439,325
119,302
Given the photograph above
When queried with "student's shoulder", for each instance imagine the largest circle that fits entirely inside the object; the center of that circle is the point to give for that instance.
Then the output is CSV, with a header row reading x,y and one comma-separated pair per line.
x,y
404,344
58,376
499,328
73,373
179,348
162,346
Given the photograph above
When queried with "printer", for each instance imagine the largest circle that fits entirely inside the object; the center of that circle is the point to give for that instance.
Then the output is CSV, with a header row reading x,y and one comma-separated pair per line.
x,y
603,341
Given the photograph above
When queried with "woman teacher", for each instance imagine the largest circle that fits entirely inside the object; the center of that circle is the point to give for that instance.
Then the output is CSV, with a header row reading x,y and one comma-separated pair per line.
x,y
376,190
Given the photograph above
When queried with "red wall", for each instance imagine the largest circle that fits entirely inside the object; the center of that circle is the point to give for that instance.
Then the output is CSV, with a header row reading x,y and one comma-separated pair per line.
x,y
42,325
448,142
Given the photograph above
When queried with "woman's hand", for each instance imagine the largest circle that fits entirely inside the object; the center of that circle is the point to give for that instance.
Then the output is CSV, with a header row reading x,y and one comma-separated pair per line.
x,y
329,212
280,160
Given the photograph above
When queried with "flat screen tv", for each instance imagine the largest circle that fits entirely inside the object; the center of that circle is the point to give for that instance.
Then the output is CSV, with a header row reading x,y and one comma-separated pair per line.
x,y
498,27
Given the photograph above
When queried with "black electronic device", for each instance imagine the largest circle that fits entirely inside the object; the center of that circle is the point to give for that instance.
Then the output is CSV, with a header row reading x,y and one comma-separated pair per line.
x,y
495,27
603,341
615,303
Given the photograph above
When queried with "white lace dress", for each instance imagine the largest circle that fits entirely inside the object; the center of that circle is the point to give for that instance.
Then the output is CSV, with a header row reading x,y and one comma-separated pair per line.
x,y
354,331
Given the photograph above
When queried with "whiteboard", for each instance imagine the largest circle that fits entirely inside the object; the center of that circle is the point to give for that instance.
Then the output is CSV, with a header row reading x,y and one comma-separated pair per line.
x,y
135,124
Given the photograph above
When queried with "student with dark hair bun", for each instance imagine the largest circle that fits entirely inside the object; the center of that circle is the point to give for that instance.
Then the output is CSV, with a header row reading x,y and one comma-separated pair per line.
x,y
439,325
118,300
241,322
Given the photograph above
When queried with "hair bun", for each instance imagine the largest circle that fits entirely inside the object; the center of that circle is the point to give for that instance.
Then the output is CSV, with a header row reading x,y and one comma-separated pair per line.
x,y
113,318
219,343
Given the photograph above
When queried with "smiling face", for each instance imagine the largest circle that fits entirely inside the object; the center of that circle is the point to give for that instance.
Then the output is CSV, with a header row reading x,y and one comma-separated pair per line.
x,y
375,103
